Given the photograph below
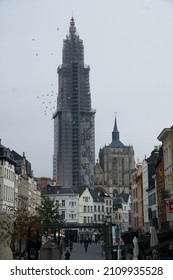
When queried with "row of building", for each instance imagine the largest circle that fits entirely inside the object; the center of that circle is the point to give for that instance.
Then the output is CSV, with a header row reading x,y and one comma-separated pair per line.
x,y
90,208
140,196
18,188
152,187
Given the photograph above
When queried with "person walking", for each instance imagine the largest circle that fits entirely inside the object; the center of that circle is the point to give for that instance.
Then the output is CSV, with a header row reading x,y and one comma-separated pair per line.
x,y
86,246
67,255
71,246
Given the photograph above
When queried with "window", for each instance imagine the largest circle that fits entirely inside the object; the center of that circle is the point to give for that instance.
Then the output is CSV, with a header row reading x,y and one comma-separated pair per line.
x,y
63,215
152,199
72,216
63,203
86,198
84,208
72,203
57,203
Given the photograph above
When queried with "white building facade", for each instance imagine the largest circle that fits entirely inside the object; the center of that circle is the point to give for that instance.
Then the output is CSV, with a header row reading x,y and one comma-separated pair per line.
x,y
7,180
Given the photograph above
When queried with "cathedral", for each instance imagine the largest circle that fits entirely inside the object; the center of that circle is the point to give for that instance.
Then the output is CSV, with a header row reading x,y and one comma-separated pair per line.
x,y
74,119
112,171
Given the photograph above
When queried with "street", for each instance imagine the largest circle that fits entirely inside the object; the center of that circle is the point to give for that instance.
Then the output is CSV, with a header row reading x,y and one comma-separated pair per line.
x,y
94,252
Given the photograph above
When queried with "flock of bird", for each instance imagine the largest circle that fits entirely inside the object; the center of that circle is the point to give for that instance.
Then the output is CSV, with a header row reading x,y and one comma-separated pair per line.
x,y
48,100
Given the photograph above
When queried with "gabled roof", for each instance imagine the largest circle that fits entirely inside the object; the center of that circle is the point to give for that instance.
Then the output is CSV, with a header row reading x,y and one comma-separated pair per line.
x,y
94,194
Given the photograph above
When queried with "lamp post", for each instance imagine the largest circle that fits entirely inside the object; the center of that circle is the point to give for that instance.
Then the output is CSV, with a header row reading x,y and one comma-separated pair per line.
x,y
118,241
109,227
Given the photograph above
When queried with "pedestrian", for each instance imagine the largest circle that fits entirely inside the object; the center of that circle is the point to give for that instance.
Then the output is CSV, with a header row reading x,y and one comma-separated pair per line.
x,y
67,255
86,246
71,246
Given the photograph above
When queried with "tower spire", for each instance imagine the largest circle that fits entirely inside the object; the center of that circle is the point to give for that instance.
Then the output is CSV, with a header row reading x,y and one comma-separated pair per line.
x,y
116,143
115,132
72,28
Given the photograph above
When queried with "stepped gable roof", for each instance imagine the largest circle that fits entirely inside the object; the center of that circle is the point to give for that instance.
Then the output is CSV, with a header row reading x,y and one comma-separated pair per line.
x,y
116,143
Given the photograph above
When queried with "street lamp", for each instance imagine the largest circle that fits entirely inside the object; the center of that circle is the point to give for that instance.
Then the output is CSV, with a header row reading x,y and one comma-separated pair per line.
x,y
108,223
118,240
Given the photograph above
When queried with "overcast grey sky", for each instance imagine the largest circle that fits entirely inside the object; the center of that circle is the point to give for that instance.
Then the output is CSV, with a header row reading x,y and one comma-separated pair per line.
x,y
129,47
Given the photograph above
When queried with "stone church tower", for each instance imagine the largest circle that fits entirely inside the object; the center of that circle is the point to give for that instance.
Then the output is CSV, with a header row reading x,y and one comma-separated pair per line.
x,y
112,171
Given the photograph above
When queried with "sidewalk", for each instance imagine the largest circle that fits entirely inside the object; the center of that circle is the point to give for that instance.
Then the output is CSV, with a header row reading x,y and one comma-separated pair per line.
x,y
94,252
